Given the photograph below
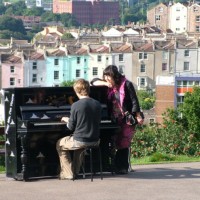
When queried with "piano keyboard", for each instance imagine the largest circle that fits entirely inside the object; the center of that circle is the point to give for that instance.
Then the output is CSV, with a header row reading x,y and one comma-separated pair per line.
x,y
106,121
49,123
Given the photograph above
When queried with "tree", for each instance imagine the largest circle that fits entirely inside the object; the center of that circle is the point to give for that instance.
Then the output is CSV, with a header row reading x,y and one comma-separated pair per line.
x,y
67,83
49,17
2,9
67,36
12,24
146,99
190,110
16,8
35,11
68,20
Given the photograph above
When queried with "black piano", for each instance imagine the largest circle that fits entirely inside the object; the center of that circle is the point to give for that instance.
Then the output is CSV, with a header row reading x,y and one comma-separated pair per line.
x,y
33,126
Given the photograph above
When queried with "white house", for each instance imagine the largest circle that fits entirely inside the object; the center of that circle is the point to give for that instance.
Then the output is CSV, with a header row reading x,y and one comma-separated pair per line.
x,y
178,18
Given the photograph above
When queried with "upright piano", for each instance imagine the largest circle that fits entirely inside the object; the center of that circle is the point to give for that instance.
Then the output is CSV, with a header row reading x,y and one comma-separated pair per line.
x,y
33,126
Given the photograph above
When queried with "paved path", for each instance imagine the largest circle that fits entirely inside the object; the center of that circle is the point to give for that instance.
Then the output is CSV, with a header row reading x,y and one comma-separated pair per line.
x,y
180,181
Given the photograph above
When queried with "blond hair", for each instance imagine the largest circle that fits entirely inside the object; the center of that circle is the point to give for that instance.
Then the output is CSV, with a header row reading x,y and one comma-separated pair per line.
x,y
82,87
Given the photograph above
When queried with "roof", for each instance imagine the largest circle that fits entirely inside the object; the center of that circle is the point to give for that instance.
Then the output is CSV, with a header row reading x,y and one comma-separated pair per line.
x,y
99,49
36,56
57,52
183,43
121,48
130,31
10,59
112,33
164,45
143,46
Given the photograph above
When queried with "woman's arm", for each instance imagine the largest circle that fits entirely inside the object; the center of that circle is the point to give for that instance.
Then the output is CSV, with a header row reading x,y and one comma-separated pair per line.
x,y
98,82
133,97
135,103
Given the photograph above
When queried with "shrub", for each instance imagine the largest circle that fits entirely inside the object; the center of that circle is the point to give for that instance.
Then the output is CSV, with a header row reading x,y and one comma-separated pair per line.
x,y
171,138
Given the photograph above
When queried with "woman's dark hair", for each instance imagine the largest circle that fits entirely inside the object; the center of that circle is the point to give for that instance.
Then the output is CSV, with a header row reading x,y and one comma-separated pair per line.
x,y
112,71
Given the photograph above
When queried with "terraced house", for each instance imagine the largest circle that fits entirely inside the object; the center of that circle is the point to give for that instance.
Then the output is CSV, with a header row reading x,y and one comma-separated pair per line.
x,y
177,17
153,61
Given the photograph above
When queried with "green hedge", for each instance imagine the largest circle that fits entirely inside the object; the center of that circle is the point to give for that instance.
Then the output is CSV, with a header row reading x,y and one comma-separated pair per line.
x,y
170,138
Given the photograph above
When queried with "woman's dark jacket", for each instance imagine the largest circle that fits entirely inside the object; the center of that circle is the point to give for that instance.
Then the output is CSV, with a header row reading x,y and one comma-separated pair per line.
x,y
131,103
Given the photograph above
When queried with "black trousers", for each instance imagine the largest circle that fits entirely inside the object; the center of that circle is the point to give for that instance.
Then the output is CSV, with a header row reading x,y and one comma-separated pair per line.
x,y
122,159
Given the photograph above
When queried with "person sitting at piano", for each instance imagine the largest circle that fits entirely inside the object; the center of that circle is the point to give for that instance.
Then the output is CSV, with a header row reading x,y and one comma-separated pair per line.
x,y
122,99
84,121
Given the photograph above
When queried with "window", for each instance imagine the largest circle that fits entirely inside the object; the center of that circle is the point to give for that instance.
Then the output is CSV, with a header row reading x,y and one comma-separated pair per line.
x,y
12,81
160,9
121,69
164,55
78,60
142,68
99,58
34,78
78,73
186,53
142,56
179,83
34,65
190,83
95,71
186,66
177,18
197,28
198,18
171,69
56,75
164,66
56,62
85,60
121,57
177,29
157,17
142,82
178,9
180,99
12,69
184,83
195,9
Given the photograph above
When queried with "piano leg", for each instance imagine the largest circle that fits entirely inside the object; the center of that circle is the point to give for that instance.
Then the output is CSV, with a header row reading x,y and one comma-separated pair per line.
x,y
23,156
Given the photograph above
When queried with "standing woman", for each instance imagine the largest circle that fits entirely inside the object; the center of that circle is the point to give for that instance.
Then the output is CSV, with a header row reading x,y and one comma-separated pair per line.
x,y
122,100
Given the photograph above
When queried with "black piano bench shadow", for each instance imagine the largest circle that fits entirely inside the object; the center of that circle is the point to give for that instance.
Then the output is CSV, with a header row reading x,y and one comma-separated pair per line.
x,y
91,156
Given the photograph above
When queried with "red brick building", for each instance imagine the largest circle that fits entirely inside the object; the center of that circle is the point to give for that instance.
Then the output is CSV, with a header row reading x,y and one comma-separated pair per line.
x,y
89,12
165,96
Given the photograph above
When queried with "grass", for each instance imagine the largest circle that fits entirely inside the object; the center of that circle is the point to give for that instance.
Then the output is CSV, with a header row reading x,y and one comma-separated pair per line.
x,y
158,158
2,169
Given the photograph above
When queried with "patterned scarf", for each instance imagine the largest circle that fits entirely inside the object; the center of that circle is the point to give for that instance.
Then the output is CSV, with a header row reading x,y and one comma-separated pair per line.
x,y
118,94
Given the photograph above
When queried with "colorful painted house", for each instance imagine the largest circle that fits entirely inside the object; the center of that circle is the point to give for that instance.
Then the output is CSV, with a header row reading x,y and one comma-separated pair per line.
x,y
66,64
12,70
56,61
35,70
